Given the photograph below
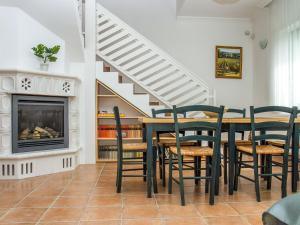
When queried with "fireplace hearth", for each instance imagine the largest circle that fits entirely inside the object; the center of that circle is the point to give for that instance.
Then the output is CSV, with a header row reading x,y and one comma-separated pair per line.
x,y
39,123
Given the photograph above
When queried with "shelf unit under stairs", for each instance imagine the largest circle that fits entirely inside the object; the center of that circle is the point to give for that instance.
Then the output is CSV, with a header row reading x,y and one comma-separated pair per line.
x,y
106,139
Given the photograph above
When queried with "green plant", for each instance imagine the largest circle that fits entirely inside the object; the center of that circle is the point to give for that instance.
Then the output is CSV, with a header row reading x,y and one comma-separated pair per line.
x,y
45,53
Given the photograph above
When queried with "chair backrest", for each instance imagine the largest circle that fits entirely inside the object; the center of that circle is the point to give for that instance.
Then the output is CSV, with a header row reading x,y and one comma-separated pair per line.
x,y
163,112
118,130
274,126
239,113
201,124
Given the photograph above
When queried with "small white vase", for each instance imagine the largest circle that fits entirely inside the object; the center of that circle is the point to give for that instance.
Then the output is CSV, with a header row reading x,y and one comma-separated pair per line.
x,y
44,66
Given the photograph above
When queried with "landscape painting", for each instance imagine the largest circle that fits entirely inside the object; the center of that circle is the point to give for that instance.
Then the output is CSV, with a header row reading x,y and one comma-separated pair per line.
x,y
229,62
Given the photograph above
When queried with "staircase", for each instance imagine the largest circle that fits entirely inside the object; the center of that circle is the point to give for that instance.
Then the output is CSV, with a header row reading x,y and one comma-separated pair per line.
x,y
137,58
126,90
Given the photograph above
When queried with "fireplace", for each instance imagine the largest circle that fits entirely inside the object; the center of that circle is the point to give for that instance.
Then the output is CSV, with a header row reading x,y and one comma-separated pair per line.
x,y
39,123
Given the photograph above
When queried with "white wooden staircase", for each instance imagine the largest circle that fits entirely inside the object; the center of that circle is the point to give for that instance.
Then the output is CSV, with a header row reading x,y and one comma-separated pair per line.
x,y
146,65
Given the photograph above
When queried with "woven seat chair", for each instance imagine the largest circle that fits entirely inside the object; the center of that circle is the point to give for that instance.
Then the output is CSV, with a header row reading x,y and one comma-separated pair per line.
x,y
267,131
135,160
197,131
164,143
242,141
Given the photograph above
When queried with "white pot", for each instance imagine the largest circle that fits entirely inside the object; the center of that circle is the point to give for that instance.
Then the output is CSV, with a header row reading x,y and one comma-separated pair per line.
x,y
44,66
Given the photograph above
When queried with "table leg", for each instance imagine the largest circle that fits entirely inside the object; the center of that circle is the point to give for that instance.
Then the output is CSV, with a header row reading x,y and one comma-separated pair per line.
x,y
149,130
295,157
231,149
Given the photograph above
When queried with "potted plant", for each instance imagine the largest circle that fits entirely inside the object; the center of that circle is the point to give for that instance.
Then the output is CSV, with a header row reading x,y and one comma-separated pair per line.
x,y
46,55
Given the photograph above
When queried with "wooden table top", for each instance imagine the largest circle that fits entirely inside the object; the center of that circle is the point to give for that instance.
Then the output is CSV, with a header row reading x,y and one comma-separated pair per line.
x,y
149,120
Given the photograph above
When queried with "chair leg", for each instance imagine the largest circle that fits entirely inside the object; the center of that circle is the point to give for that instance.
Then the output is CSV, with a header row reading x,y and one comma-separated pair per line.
x,y
217,177
263,166
170,173
154,171
181,183
207,173
269,170
163,166
256,177
196,169
144,165
284,176
159,148
214,176
237,169
119,175
225,161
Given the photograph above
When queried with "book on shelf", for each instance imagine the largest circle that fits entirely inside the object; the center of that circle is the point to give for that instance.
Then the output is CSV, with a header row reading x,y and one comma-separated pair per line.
x,y
109,115
109,152
128,131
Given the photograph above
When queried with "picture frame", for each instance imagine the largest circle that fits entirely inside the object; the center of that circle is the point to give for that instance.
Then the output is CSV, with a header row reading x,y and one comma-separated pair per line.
x,y
229,62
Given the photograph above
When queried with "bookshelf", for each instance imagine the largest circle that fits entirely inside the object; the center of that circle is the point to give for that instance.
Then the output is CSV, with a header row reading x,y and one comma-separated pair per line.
x,y
106,99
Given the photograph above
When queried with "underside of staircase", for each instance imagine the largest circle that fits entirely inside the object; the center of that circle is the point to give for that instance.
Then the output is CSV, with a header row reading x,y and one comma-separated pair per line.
x,y
141,72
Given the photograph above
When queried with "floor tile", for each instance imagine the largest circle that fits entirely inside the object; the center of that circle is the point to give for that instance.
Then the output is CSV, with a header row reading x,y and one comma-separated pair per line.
x,y
28,215
184,221
137,212
138,200
221,209
102,213
254,219
102,222
143,222
171,211
226,220
105,200
36,202
248,208
75,201
62,215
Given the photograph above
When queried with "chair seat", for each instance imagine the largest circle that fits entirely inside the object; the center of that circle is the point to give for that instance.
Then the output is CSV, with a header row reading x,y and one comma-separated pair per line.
x,y
172,141
239,142
135,147
261,149
193,150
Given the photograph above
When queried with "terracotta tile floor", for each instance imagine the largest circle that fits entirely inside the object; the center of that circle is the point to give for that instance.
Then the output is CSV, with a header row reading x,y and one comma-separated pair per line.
x,y
87,196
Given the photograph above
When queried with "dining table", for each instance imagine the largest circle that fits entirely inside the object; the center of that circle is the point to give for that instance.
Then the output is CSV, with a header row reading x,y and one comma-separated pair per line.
x,y
229,125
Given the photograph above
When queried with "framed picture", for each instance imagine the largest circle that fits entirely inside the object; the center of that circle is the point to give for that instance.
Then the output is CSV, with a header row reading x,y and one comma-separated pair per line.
x,y
229,62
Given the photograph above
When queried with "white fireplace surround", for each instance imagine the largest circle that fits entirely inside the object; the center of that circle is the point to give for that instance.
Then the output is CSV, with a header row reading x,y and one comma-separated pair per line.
x,y
30,164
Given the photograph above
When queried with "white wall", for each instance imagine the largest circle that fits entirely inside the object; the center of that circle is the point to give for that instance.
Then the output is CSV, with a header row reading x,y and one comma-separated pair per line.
x,y
261,85
192,41
19,33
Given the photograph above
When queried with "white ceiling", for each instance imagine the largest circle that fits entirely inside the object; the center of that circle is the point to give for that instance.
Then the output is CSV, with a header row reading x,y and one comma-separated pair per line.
x,y
210,8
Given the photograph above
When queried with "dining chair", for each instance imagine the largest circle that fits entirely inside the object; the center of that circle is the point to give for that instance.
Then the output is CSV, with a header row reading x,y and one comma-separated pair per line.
x,y
129,160
262,132
163,144
237,113
281,145
211,154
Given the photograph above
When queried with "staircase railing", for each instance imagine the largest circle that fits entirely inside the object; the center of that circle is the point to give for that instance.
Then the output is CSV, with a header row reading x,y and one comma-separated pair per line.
x,y
144,63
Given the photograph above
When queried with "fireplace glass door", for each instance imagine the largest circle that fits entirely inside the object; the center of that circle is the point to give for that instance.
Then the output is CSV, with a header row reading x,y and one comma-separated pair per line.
x,y
39,123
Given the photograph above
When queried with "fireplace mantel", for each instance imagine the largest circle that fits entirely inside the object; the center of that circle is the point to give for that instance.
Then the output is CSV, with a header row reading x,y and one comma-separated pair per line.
x,y
22,165
37,82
